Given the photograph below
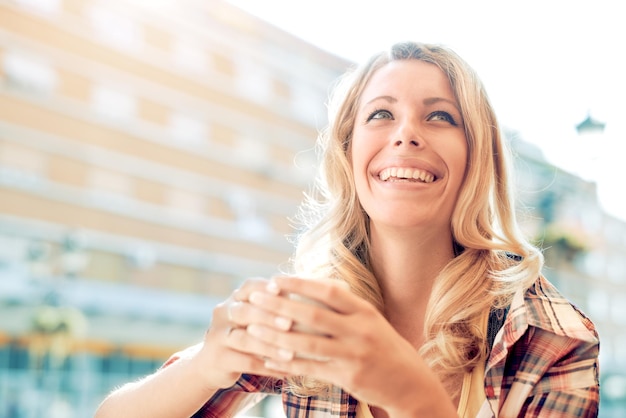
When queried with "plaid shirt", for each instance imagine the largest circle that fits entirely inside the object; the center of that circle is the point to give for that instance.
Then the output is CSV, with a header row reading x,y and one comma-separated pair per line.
x,y
543,362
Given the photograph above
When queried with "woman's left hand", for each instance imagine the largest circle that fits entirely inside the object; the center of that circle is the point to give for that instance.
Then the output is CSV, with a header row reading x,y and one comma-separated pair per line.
x,y
349,344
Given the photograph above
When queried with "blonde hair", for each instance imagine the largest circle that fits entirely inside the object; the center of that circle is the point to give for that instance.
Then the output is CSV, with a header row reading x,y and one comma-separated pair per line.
x,y
494,259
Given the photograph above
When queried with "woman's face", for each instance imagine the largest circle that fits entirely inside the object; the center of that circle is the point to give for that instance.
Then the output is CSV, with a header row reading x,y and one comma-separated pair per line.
x,y
409,150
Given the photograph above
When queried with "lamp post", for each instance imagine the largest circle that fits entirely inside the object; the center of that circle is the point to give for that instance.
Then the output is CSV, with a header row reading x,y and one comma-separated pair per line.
x,y
590,147
590,126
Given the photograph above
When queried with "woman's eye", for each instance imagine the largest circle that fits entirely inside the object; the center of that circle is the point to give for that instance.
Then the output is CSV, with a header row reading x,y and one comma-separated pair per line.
x,y
442,116
380,114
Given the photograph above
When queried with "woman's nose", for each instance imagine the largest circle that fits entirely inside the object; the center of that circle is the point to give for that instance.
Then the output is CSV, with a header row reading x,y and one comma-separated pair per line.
x,y
407,134
399,142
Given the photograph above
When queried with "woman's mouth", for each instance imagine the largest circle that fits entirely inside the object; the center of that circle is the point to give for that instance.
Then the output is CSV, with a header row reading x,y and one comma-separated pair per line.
x,y
393,174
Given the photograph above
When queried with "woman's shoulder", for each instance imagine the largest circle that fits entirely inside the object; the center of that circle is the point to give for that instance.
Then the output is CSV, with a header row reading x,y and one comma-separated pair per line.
x,y
544,307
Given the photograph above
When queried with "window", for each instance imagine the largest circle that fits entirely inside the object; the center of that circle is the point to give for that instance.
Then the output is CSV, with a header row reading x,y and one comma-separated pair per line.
x,y
618,309
187,130
598,304
29,73
189,55
109,182
181,200
253,153
44,7
114,29
308,104
253,82
113,103
594,263
110,190
250,225
616,269
21,166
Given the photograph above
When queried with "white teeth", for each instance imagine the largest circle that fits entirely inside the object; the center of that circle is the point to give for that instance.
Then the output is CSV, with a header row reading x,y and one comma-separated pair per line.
x,y
406,173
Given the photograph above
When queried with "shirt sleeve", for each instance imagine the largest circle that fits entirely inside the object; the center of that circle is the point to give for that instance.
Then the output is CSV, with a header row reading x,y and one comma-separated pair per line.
x,y
552,376
247,391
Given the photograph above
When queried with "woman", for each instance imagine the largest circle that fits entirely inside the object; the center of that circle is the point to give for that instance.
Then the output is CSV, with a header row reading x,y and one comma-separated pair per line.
x,y
445,312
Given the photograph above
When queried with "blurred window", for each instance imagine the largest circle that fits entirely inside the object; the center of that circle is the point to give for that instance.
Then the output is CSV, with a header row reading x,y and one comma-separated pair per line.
x,y
618,309
110,190
109,181
619,350
18,357
307,104
113,103
29,73
44,7
115,29
185,129
250,224
253,153
594,263
616,268
614,231
190,55
598,304
185,201
253,82
115,363
20,165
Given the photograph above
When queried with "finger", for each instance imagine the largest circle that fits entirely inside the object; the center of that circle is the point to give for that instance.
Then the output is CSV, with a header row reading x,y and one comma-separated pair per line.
x,y
311,367
233,361
311,346
242,314
248,286
306,317
240,340
335,294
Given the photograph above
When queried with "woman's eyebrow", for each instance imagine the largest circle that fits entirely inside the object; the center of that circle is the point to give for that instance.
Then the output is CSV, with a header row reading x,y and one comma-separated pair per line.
x,y
434,100
389,99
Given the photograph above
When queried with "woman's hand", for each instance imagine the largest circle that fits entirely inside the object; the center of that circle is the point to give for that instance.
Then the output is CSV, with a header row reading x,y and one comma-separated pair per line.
x,y
349,344
228,350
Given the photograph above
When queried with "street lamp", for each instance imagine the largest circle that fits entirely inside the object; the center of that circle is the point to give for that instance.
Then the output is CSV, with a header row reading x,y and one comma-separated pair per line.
x,y
590,147
590,126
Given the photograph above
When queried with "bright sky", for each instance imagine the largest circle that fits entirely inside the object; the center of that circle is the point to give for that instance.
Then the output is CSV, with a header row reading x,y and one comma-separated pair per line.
x,y
545,64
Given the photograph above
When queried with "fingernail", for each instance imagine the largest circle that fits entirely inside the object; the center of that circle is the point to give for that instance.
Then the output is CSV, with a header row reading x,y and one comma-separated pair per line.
x,y
272,364
256,298
272,288
283,323
254,330
285,354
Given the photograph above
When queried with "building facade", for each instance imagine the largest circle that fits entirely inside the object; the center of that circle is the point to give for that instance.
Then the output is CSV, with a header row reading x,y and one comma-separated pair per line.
x,y
152,154
151,157
585,257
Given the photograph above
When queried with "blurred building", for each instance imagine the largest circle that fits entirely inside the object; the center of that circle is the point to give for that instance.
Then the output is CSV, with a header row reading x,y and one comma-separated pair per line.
x,y
151,155
585,253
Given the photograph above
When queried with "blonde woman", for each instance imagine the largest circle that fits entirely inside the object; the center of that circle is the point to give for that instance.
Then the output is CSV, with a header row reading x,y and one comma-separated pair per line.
x,y
432,303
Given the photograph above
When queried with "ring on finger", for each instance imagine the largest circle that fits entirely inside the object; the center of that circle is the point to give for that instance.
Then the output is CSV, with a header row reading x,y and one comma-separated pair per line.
x,y
229,330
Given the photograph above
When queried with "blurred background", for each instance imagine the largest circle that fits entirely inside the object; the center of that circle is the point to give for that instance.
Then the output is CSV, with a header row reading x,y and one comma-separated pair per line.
x,y
151,155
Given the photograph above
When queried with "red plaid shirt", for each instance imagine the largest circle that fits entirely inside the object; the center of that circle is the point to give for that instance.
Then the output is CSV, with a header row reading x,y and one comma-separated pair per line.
x,y
544,362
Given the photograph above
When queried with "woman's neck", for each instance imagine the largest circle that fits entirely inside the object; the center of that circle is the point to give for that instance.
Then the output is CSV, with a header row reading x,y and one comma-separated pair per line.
x,y
406,266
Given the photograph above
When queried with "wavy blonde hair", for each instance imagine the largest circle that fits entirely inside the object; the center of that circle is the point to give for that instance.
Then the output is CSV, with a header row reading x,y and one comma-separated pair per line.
x,y
493,259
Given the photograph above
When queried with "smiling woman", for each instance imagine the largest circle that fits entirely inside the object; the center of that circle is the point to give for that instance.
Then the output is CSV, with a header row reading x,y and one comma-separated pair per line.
x,y
432,304
409,122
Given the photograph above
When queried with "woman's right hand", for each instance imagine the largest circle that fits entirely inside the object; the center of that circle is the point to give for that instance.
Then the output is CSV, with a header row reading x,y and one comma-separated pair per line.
x,y
228,350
